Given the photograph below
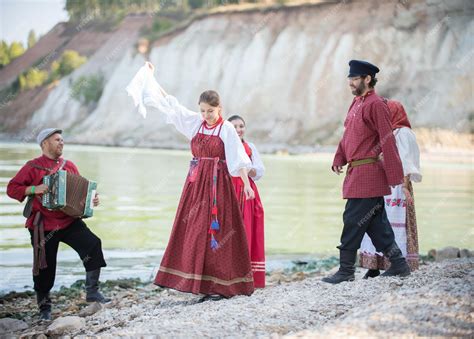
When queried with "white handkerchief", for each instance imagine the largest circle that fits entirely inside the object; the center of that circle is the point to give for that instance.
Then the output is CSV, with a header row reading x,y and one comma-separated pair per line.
x,y
144,89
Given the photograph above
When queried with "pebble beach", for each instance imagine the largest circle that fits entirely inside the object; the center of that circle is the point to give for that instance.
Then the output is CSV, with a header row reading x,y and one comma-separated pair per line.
x,y
436,300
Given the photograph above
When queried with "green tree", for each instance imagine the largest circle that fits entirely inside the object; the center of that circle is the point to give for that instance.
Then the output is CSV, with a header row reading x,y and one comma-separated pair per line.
x,y
71,60
8,53
68,62
16,49
31,38
32,78
106,9
79,9
4,54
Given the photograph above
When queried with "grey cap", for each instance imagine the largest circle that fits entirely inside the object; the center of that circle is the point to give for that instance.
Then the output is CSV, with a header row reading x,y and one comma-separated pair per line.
x,y
46,133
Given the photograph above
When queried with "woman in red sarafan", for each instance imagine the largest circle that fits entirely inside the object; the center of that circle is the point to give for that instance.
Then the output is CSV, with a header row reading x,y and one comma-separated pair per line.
x,y
252,210
207,252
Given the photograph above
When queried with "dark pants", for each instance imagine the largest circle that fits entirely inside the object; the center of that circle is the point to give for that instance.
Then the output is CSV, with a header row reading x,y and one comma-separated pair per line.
x,y
366,215
81,239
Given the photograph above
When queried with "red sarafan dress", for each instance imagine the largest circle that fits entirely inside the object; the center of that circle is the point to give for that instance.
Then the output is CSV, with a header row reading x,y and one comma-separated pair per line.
x,y
191,263
252,212
207,252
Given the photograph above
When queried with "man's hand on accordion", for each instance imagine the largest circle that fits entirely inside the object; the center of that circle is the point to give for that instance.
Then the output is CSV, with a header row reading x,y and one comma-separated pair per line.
x,y
96,201
40,189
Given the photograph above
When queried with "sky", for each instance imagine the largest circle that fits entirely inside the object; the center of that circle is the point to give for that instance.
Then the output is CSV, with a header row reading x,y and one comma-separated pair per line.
x,y
18,17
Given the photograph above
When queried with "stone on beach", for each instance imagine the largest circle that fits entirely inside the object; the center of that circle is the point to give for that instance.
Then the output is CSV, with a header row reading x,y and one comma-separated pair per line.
x,y
445,253
90,310
64,325
8,325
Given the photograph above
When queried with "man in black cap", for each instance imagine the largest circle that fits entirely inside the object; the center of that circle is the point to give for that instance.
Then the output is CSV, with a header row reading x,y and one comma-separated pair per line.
x,y
48,228
367,134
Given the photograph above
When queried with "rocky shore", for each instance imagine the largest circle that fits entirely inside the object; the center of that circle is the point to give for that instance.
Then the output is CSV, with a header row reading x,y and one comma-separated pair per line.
x,y
434,301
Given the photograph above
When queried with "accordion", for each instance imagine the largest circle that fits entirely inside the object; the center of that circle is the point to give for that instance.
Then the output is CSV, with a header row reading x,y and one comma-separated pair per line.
x,y
69,193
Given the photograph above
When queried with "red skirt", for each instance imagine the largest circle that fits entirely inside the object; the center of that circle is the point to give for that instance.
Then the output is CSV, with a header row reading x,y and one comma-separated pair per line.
x,y
252,212
189,263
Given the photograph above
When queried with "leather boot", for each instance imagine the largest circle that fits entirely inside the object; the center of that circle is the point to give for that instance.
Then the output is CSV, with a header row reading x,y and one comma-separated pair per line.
x,y
44,305
92,287
398,264
346,270
371,274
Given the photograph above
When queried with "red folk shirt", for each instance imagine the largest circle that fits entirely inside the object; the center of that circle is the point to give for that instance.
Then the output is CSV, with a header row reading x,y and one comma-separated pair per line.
x,y
28,176
368,132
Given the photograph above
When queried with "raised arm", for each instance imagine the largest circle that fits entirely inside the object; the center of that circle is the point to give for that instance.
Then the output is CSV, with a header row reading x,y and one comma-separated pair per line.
x,y
151,69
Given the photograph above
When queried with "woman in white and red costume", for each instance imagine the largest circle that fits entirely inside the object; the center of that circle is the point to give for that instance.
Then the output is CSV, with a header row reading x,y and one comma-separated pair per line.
x,y
252,210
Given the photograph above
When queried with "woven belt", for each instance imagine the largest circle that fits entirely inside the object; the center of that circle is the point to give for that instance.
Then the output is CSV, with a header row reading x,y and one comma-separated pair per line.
x,y
39,248
360,162
214,227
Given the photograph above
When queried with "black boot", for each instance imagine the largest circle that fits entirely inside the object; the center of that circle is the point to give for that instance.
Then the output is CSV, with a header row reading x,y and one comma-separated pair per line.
x,y
346,268
44,305
92,287
398,264
371,274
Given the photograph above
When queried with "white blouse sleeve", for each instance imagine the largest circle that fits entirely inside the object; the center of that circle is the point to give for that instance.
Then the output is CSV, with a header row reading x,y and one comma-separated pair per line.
x,y
257,163
186,121
146,92
235,155
409,153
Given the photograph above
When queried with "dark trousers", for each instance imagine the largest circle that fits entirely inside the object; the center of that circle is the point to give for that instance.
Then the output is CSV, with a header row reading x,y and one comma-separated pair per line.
x,y
81,239
366,215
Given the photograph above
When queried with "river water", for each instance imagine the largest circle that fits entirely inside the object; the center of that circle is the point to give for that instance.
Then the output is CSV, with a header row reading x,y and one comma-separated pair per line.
x,y
140,189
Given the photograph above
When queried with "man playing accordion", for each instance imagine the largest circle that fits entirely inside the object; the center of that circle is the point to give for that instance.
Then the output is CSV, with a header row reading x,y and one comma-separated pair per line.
x,y
50,227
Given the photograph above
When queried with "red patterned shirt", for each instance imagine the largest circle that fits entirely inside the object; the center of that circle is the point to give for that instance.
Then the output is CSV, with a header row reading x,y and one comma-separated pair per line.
x,y
368,132
28,176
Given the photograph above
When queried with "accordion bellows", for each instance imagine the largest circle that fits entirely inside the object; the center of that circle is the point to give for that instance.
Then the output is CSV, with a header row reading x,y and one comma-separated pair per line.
x,y
70,193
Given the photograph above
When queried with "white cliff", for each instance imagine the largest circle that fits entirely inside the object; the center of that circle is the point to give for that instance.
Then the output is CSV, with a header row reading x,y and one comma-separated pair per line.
x,y
285,72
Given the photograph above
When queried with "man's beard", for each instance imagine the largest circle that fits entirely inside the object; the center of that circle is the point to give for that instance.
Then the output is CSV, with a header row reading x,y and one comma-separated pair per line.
x,y
359,89
57,152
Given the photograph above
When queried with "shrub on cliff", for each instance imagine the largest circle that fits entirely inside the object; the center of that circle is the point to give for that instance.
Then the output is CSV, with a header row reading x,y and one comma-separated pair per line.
x,y
32,78
159,26
196,3
66,64
88,89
